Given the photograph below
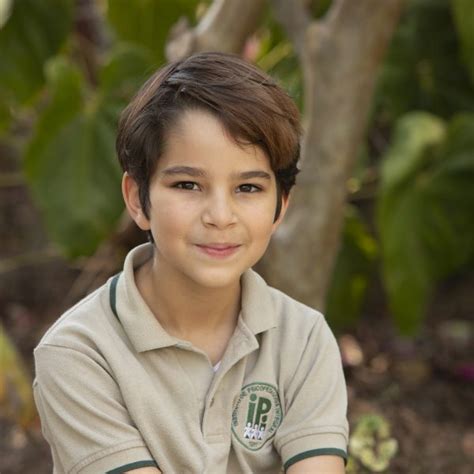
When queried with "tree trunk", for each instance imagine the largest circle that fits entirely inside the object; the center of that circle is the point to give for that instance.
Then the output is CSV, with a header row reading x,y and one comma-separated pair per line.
x,y
340,56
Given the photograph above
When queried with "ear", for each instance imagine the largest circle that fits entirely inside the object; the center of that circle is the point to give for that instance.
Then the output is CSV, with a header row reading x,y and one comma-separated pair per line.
x,y
132,201
285,201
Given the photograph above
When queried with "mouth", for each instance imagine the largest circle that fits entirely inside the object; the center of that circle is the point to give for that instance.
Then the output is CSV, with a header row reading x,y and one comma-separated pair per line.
x,y
218,250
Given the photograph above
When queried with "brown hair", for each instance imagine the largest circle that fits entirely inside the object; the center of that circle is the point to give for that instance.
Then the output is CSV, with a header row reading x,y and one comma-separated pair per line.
x,y
249,103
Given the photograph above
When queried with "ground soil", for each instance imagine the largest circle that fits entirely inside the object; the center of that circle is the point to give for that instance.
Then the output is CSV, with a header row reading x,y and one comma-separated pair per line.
x,y
424,386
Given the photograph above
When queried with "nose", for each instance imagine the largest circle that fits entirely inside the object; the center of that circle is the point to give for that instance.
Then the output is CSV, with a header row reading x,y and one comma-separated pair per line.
x,y
219,211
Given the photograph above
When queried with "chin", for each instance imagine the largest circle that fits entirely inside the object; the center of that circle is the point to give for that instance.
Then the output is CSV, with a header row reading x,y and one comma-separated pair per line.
x,y
215,279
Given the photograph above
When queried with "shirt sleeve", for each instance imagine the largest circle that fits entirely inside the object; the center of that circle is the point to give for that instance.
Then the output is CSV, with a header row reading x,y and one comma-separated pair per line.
x,y
315,402
83,416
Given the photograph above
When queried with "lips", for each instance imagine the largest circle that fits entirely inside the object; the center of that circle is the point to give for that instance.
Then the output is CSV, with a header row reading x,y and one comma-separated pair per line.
x,y
218,246
219,249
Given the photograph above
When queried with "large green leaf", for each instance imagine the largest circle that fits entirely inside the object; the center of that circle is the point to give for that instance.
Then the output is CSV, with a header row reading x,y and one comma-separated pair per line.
x,y
70,162
423,69
424,210
449,190
34,32
127,68
352,273
405,261
413,134
463,14
147,22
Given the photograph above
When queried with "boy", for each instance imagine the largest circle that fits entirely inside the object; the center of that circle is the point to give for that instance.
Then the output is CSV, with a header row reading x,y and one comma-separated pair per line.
x,y
187,362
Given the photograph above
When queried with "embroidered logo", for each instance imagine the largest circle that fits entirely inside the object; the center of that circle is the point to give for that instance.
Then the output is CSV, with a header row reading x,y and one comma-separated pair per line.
x,y
257,415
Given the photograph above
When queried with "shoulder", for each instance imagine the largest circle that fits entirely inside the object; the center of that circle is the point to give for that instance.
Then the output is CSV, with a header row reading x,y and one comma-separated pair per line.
x,y
301,331
266,307
80,326
292,313
292,326
296,321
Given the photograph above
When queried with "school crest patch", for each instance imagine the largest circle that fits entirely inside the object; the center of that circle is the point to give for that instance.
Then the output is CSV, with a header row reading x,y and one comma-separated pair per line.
x,y
257,414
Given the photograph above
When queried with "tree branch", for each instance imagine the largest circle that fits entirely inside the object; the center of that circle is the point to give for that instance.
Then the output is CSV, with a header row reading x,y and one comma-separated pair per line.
x,y
295,18
340,59
225,27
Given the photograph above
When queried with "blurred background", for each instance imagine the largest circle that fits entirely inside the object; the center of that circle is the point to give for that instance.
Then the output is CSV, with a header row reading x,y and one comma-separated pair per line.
x,y
390,83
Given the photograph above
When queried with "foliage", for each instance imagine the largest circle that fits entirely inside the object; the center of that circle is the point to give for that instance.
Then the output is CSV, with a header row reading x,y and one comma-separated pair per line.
x,y
371,447
424,199
148,22
463,14
423,69
74,137
426,196
16,397
34,32
353,272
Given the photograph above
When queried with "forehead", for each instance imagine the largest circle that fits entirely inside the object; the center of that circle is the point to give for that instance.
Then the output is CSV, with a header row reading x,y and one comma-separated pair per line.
x,y
198,137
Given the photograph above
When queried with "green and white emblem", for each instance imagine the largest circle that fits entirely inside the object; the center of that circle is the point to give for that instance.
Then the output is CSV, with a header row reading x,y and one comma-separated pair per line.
x,y
257,415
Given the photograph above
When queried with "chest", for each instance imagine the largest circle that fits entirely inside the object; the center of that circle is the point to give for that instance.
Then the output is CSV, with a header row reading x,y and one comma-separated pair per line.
x,y
195,420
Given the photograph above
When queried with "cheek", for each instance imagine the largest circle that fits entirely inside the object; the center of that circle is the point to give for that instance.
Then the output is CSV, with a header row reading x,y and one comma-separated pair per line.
x,y
173,218
261,221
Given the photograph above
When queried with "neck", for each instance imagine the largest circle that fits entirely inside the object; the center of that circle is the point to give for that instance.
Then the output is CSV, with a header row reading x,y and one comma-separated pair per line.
x,y
184,309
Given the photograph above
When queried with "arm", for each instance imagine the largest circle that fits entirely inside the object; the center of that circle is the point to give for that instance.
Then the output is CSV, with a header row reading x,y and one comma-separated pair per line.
x,y
318,464
314,430
83,415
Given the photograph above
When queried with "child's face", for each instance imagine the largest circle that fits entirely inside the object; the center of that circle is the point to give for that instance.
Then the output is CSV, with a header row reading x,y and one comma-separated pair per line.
x,y
212,204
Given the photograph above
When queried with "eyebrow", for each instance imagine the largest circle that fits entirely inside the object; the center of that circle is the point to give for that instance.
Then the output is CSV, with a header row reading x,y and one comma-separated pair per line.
x,y
200,173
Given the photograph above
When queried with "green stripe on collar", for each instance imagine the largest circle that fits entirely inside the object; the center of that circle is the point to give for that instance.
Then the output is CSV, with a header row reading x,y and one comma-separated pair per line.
x,y
133,465
113,294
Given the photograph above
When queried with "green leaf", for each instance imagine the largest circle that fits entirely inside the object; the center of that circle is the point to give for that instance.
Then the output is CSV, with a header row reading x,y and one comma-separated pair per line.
x,y
125,71
66,87
352,272
147,22
449,198
34,32
423,69
412,135
70,163
424,210
405,261
463,15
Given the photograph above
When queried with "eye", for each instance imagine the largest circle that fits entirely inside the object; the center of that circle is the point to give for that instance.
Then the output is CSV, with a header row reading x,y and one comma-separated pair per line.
x,y
186,185
249,188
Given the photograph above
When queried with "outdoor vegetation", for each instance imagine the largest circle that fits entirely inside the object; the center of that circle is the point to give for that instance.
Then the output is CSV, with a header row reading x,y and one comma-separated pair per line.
x,y
383,239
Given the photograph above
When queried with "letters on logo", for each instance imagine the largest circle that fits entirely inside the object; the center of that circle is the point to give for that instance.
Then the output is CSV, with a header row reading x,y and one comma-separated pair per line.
x,y
257,415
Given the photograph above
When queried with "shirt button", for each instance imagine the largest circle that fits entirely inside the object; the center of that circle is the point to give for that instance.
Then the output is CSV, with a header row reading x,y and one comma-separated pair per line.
x,y
212,402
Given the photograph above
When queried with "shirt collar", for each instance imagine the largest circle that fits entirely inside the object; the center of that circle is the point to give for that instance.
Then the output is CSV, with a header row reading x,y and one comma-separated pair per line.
x,y
144,330
258,310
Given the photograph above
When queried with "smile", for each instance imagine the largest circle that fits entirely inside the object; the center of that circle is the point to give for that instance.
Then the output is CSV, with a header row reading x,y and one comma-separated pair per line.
x,y
218,250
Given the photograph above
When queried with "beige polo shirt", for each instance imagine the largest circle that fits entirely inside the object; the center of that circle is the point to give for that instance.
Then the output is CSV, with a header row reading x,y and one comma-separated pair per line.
x,y
116,392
